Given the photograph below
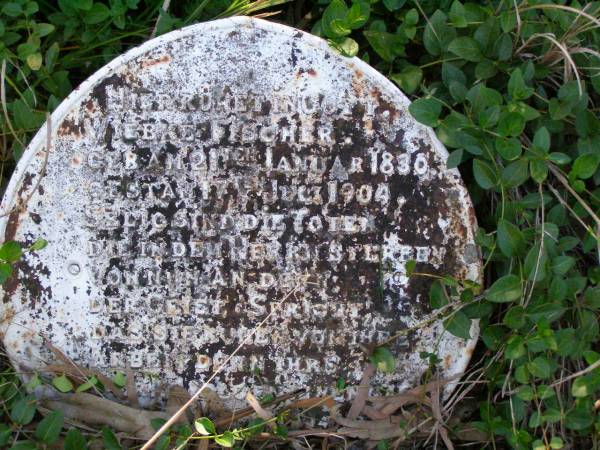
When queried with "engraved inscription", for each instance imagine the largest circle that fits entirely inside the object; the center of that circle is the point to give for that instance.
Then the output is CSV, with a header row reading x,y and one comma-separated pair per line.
x,y
194,200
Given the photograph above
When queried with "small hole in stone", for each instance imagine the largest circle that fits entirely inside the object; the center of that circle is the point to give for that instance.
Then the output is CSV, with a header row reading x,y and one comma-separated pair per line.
x,y
74,269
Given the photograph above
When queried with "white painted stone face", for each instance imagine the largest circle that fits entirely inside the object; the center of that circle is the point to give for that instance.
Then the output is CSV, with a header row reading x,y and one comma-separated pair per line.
x,y
196,180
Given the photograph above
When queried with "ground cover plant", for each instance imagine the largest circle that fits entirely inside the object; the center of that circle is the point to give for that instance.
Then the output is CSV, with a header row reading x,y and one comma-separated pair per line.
x,y
512,88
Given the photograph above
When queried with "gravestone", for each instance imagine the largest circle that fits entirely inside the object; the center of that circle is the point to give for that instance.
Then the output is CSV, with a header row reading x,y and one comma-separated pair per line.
x,y
218,174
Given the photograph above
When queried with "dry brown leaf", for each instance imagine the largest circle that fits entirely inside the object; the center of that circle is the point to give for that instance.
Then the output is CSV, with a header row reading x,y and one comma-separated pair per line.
x,y
418,391
362,392
213,404
132,394
402,400
436,410
177,397
95,410
309,403
233,417
365,424
370,435
373,413
261,412
468,433
202,444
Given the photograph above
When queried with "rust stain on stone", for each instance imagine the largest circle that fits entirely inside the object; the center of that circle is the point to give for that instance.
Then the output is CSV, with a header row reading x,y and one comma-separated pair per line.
x,y
164,59
70,128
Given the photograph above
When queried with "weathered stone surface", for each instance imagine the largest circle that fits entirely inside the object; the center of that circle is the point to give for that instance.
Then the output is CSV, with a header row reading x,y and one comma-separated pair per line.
x,y
196,180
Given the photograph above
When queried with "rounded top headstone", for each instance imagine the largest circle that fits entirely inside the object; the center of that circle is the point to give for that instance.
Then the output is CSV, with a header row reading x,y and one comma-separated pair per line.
x,y
221,173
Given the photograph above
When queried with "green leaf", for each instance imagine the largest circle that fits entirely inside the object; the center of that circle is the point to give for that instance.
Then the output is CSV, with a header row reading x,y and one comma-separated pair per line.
x,y
452,73
541,367
484,174
539,170
508,20
509,149
511,124
23,410
437,295
74,440
256,426
426,111
515,347
96,14
281,431
535,263
517,88
34,61
411,265
493,336
526,393
459,325
514,318
226,439
48,429
394,5
503,48
541,139
454,158
383,360
559,158
585,166
437,34
12,9
84,5
546,312
466,48
562,264
5,434
62,383
408,79
387,45
347,47
457,14
339,28
163,442
38,245
504,290
336,12
478,310
120,379
582,387
5,271
24,445
11,251
578,419
90,383
110,440
44,29
515,174
358,14
204,426
510,239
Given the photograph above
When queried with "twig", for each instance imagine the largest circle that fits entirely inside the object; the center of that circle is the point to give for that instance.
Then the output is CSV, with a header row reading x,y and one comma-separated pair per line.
x,y
560,177
577,374
566,205
164,8
3,99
